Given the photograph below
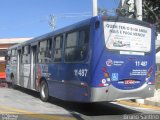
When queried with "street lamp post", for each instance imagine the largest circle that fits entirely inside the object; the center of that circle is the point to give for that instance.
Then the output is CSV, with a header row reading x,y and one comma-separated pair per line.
x,y
94,7
139,9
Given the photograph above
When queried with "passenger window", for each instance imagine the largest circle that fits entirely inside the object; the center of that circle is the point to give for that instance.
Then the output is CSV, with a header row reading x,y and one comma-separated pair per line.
x,y
71,47
26,54
45,48
49,50
8,57
13,57
9,52
13,52
58,41
76,48
26,50
72,39
84,43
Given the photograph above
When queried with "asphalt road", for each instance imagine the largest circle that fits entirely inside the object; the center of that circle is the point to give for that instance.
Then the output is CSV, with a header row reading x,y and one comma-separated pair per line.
x,y
22,104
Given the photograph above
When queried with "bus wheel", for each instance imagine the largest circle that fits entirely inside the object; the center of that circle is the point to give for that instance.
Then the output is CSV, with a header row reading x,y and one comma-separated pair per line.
x,y
44,94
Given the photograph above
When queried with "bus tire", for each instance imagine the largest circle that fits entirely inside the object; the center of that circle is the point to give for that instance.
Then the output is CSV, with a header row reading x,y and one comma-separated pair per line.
x,y
44,93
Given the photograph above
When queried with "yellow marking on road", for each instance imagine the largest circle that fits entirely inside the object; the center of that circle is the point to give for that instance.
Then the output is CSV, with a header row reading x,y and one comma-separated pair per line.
x,y
35,115
134,104
16,110
2,112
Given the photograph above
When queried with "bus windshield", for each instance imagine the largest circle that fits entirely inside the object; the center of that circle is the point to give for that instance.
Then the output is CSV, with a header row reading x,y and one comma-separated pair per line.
x,y
127,37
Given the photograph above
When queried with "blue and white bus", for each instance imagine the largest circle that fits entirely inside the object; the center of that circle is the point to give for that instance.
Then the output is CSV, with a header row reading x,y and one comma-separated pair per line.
x,y
98,59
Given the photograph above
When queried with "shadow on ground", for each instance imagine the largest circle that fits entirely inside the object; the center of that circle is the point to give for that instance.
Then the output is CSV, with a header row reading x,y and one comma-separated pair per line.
x,y
88,109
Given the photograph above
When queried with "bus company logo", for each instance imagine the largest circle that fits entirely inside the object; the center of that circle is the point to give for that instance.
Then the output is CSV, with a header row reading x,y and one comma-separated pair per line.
x,y
109,62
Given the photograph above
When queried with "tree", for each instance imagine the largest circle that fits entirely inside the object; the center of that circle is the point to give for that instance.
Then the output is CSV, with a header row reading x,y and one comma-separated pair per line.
x,y
102,11
151,12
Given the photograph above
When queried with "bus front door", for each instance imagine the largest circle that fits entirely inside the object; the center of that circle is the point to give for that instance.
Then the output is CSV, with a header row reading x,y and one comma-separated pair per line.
x,y
18,67
33,67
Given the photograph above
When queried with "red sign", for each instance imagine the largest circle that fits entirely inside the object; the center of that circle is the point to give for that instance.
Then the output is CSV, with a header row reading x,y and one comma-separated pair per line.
x,y
128,82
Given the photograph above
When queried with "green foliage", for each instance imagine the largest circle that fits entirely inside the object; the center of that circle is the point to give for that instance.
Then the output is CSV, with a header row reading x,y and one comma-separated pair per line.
x,y
151,12
102,11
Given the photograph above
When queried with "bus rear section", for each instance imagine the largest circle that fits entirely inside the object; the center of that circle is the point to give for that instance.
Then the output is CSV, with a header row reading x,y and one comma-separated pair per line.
x,y
123,60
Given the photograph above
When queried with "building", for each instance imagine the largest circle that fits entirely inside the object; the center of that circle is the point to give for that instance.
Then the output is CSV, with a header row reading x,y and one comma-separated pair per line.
x,y
5,43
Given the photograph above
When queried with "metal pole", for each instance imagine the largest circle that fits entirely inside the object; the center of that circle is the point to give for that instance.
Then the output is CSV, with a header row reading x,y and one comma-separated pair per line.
x,y
138,4
122,2
95,8
139,9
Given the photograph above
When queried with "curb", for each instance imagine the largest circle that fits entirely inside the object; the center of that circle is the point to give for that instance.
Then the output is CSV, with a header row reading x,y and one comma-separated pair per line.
x,y
152,103
148,104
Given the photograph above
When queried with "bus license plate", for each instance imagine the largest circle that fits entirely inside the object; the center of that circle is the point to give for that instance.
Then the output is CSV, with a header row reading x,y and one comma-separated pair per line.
x,y
128,82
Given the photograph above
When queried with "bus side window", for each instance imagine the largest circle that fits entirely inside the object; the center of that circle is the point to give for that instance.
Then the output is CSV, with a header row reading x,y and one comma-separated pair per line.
x,y
45,47
83,43
13,57
26,55
58,41
71,47
8,57
49,48
42,50
76,47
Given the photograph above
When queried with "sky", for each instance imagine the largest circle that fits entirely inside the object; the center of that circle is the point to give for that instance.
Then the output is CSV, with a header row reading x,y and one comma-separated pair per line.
x,y
29,18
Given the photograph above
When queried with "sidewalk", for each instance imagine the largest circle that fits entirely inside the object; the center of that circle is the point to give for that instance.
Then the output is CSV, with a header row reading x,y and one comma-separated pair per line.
x,y
155,101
